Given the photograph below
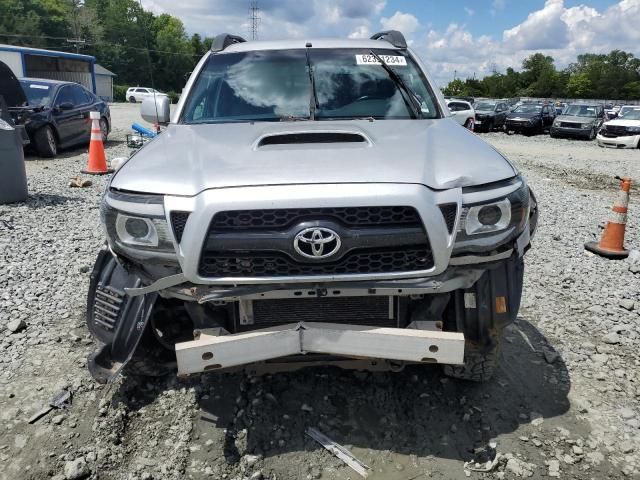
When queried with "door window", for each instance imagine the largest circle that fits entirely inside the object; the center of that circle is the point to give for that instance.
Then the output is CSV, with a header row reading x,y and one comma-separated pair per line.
x,y
79,97
457,107
65,95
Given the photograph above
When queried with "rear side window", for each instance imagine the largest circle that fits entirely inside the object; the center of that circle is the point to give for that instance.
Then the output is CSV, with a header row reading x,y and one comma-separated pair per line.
x,y
79,96
458,106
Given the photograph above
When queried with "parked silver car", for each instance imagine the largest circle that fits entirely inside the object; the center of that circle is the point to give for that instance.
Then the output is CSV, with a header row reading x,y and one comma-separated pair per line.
x,y
309,202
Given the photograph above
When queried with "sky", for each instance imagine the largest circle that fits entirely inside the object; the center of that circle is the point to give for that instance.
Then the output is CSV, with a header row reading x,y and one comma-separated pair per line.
x,y
455,38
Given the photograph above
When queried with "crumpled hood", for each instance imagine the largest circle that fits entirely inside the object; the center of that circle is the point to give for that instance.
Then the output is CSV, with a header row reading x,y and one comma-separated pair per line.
x,y
187,159
623,122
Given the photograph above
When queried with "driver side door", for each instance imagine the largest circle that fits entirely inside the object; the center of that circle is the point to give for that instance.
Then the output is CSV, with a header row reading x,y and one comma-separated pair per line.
x,y
67,118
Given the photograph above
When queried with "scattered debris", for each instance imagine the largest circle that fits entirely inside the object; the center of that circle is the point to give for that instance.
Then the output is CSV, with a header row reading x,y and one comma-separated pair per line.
x,y
61,401
526,339
77,182
15,326
485,460
76,469
339,451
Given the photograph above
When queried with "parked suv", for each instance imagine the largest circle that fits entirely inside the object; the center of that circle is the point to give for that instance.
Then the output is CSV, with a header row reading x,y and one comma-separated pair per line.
x,y
462,112
309,202
490,114
530,118
623,132
579,120
139,94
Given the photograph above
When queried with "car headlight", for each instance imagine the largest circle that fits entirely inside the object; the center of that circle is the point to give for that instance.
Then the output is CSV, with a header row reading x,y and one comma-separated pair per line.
x,y
136,221
633,130
504,214
491,217
556,123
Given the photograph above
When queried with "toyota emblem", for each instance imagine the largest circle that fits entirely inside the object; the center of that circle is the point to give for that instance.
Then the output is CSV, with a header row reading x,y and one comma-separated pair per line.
x,y
317,242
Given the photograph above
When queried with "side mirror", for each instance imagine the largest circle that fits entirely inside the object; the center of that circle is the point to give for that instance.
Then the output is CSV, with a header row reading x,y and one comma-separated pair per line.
x,y
156,109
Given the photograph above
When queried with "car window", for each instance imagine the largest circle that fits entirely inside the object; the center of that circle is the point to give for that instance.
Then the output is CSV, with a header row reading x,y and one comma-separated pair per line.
x,y
457,106
274,85
140,90
65,95
79,97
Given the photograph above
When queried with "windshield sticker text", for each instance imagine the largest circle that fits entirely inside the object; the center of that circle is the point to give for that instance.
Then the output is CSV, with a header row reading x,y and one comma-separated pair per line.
x,y
391,60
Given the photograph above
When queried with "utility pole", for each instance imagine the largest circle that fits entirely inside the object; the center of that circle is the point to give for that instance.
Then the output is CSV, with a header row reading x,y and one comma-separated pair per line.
x,y
76,5
254,19
78,42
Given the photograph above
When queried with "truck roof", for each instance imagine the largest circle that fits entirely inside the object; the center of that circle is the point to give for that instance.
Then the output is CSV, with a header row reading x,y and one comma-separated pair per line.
x,y
301,43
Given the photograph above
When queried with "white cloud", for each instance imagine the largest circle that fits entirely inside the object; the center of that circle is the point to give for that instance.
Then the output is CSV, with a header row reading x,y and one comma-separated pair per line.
x,y
469,11
404,22
554,30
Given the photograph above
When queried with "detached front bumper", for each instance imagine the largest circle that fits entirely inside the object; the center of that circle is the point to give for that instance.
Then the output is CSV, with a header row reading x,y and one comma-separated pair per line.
x,y
631,141
215,350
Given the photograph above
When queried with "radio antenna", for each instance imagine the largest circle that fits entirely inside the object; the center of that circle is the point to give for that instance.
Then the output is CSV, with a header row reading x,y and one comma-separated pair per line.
x,y
254,19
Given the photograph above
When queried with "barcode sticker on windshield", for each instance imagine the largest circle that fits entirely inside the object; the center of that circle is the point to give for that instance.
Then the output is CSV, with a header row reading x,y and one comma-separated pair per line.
x,y
41,87
391,60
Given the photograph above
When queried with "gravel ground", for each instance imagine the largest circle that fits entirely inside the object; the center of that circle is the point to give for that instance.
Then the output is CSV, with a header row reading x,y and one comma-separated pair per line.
x,y
565,402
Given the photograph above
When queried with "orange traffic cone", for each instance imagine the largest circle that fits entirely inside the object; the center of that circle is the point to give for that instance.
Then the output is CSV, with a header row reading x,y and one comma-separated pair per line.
x,y
97,164
611,244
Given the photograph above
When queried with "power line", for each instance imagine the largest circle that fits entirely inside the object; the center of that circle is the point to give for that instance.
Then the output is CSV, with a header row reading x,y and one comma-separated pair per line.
x,y
254,19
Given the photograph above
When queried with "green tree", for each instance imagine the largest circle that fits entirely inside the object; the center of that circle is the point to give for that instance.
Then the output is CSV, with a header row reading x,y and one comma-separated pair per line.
x,y
579,86
454,88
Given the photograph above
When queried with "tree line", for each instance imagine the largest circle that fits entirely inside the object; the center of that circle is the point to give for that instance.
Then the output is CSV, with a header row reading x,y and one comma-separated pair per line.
x,y
615,75
135,44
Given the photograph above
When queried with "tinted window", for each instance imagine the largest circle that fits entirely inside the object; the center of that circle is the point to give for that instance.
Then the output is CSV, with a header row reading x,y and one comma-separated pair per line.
x,y
275,85
65,95
458,107
79,97
141,90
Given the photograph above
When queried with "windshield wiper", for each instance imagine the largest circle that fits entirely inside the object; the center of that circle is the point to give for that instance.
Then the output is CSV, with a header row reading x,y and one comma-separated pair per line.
x,y
413,100
313,100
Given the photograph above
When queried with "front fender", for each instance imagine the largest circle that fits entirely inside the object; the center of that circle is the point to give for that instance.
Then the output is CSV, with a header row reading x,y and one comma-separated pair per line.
x,y
116,320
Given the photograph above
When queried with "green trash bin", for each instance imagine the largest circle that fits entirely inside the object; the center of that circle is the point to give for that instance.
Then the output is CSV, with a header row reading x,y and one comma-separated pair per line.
x,y
13,177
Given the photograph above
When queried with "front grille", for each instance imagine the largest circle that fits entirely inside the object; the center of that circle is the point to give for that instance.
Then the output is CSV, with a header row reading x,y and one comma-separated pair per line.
x,y
372,311
449,211
270,219
274,264
615,131
260,243
178,222
570,125
106,307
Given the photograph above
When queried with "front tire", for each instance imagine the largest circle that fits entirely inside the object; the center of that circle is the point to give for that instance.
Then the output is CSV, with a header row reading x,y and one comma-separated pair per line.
x,y
470,124
45,142
132,99
592,134
480,363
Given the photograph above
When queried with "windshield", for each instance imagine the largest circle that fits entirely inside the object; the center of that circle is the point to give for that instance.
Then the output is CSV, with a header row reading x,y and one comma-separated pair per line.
x,y
274,85
528,109
624,110
485,106
633,114
37,93
580,111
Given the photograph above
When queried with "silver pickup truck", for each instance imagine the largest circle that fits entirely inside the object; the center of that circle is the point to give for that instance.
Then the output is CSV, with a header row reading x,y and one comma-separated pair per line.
x,y
309,202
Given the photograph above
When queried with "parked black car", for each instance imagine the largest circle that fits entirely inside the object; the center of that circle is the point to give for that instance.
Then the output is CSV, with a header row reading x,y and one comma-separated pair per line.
x,y
530,119
579,121
56,114
490,114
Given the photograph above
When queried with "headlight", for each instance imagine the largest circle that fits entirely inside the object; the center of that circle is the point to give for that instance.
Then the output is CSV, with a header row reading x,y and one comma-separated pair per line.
x,y
491,217
499,215
136,221
633,130
556,123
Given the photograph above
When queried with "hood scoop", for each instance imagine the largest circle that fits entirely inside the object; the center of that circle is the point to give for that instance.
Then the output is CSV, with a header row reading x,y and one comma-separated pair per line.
x,y
306,138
